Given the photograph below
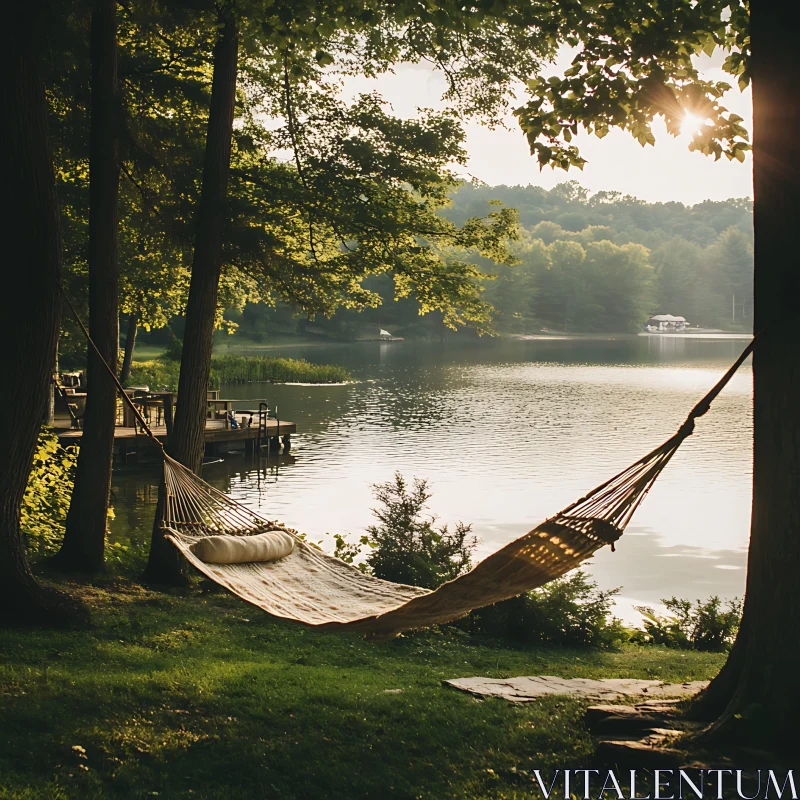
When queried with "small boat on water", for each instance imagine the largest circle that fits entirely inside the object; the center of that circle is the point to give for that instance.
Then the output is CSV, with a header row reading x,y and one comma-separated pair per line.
x,y
383,336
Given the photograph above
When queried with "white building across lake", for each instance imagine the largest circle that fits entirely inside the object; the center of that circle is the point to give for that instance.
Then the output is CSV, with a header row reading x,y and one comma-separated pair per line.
x,y
665,323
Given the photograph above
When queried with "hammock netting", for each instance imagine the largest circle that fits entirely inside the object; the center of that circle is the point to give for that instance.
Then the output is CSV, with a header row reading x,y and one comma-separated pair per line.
x,y
314,588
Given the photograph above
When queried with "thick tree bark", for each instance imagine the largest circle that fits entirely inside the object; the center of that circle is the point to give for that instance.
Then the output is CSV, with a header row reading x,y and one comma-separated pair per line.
x,y
186,442
757,693
130,343
29,230
85,536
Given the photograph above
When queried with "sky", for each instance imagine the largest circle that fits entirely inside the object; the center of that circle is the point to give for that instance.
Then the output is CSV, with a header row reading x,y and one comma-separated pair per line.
x,y
668,171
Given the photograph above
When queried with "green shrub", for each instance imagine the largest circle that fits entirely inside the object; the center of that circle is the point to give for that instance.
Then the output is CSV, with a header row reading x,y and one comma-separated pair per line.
x,y
692,626
47,496
350,551
161,374
406,546
570,611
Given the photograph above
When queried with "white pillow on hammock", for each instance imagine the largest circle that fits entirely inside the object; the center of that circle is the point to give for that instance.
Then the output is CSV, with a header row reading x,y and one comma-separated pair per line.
x,y
243,549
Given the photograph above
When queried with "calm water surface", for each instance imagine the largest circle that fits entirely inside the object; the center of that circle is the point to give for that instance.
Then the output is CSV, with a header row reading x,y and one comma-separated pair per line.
x,y
508,433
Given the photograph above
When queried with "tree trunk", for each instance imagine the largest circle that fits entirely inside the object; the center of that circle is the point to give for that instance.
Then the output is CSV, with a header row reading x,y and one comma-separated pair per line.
x,y
757,694
29,229
187,440
130,343
85,535
50,410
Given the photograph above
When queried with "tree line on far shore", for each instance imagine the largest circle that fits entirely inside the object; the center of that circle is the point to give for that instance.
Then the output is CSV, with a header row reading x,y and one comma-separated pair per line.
x,y
606,262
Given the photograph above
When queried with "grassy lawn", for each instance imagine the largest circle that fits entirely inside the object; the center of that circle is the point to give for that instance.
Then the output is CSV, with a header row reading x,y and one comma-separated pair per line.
x,y
225,344
196,695
144,352
238,345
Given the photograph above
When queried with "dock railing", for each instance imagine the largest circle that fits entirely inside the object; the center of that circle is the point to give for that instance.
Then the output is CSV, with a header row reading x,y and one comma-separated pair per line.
x,y
264,414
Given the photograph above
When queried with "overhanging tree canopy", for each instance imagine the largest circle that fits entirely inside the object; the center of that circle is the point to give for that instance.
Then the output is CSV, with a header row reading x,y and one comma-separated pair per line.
x,y
290,45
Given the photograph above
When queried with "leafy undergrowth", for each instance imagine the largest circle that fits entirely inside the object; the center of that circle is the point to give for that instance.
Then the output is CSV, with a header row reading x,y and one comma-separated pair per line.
x,y
196,695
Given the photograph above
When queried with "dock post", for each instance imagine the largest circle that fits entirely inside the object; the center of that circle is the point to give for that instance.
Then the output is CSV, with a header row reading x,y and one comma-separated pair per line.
x,y
287,443
263,414
167,400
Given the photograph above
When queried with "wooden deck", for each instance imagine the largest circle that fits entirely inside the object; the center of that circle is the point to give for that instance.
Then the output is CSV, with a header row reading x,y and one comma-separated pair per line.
x,y
218,437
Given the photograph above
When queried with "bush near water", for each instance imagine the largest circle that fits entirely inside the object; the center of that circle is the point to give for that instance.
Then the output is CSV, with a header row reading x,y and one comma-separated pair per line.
x,y
406,546
161,374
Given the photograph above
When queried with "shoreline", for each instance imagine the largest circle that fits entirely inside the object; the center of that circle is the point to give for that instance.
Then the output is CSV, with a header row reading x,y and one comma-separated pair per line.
x,y
609,337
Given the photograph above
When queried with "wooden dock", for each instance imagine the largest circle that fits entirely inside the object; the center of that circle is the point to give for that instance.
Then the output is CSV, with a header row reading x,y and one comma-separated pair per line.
x,y
219,437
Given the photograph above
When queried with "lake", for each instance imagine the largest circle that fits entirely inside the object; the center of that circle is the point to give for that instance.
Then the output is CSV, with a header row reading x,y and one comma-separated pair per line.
x,y
508,432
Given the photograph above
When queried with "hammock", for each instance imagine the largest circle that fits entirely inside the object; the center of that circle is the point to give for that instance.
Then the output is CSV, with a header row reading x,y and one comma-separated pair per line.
x,y
313,588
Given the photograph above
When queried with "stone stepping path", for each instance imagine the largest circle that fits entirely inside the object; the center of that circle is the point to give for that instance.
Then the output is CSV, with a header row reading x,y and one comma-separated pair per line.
x,y
531,688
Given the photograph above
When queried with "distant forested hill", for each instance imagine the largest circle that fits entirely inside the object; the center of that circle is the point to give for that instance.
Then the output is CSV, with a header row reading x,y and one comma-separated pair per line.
x,y
627,219
605,262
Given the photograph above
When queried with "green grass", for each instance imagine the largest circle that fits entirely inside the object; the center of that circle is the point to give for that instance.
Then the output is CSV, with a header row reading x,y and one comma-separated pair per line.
x,y
196,695
241,345
162,373
237,344
144,352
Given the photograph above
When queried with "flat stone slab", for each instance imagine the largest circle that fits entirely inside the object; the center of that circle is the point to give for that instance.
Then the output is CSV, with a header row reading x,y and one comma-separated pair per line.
x,y
528,689
601,712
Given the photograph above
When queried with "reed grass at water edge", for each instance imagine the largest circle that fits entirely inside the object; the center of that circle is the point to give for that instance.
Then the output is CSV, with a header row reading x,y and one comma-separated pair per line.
x,y
162,373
